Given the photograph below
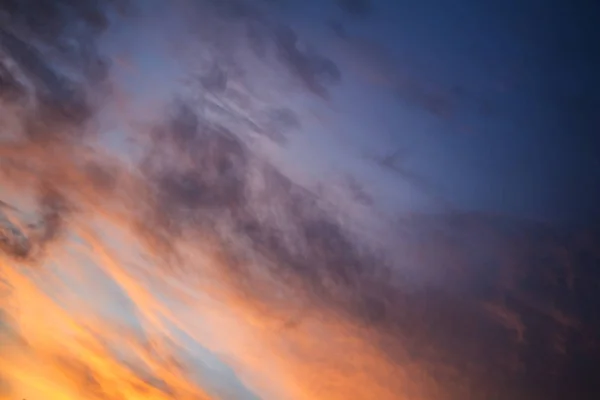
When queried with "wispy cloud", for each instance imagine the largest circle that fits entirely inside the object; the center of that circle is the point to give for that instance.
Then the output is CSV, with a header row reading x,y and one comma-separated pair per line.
x,y
121,265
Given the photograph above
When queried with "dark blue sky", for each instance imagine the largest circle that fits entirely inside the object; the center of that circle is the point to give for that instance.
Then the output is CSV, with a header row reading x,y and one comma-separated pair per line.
x,y
495,102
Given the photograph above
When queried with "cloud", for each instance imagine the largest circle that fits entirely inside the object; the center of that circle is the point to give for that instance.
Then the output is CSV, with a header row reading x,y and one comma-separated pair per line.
x,y
211,246
10,87
311,68
299,248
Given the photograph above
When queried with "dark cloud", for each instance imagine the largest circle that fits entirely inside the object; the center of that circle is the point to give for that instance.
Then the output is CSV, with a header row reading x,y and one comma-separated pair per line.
x,y
181,128
338,29
212,184
67,32
30,242
210,180
257,36
54,211
13,241
215,80
11,90
264,36
69,27
32,64
437,101
358,192
323,262
284,118
314,70
58,119
279,123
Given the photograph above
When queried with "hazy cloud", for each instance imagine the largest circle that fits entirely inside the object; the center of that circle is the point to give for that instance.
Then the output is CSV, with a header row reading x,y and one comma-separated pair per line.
x,y
214,247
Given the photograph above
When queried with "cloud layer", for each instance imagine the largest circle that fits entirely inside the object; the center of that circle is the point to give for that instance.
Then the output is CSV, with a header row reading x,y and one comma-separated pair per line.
x,y
181,262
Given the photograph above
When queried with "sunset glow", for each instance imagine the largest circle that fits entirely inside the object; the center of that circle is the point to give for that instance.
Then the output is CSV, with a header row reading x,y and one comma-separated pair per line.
x,y
297,200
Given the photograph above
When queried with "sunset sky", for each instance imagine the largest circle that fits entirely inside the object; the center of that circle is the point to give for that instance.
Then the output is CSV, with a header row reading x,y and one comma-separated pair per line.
x,y
251,199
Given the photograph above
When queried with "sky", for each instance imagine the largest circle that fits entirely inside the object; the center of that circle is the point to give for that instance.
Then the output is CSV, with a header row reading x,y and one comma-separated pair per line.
x,y
487,100
282,199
